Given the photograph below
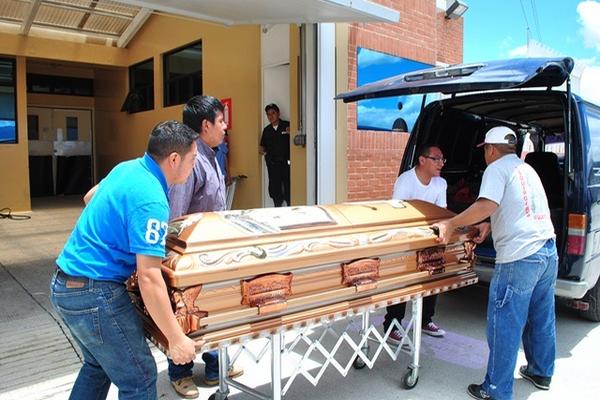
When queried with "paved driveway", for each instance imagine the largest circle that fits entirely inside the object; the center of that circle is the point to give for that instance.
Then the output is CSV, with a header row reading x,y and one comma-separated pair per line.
x,y
38,361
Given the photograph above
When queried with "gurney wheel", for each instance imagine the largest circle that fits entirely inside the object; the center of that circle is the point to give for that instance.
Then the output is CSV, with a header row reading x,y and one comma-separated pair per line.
x,y
408,381
358,363
214,396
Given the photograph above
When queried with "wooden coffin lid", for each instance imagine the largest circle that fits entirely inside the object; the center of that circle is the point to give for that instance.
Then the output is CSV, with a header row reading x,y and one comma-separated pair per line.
x,y
201,232
210,247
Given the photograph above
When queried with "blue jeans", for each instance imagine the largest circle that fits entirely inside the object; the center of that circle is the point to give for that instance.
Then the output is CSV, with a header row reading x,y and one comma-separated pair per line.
x,y
105,325
521,306
211,371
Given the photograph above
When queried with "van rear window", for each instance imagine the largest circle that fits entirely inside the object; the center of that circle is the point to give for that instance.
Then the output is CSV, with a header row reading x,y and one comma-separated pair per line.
x,y
556,146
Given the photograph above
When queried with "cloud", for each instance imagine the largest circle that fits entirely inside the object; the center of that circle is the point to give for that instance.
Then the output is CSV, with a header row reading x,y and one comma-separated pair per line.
x,y
590,82
589,15
520,51
375,114
591,61
368,57
377,117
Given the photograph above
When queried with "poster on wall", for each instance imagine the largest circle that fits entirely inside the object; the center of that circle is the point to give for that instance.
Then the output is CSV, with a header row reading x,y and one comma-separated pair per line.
x,y
397,113
227,112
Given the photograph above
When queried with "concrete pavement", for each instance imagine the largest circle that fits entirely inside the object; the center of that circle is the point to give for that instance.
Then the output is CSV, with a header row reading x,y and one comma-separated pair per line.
x,y
38,359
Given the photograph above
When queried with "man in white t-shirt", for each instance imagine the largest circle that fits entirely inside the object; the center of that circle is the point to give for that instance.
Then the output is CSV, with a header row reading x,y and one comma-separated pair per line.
x,y
423,182
521,295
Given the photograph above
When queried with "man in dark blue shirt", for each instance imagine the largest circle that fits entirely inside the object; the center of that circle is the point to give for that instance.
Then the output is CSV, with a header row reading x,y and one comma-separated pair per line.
x,y
275,146
123,228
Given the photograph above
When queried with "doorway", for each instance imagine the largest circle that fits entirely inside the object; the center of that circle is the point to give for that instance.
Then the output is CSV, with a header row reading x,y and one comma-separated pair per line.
x,y
276,89
275,56
60,150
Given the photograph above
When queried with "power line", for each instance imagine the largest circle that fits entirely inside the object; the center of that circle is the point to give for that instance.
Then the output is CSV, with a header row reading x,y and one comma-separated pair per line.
x,y
536,20
526,20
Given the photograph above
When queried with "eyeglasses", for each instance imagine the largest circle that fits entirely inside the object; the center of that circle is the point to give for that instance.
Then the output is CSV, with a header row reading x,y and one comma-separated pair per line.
x,y
437,159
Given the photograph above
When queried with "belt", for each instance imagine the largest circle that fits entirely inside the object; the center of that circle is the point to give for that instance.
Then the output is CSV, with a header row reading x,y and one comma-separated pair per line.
x,y
72,281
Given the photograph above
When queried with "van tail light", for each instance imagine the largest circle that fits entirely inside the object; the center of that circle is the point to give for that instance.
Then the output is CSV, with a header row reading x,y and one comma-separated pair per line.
x,y
576,238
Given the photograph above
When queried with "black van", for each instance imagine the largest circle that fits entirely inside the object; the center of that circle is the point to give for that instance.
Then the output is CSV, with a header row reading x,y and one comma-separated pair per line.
x,y
559,136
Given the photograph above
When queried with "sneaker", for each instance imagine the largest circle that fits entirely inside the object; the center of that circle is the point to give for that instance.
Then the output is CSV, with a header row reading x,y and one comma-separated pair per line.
x,y
478,392
186,388
540,382
395,337
433,330
234,372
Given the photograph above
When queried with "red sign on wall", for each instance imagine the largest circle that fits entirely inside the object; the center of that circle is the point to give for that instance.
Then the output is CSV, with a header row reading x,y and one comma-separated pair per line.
x,y
227,114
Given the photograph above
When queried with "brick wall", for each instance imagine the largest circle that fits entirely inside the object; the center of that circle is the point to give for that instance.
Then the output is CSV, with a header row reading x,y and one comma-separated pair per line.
x,y
423,34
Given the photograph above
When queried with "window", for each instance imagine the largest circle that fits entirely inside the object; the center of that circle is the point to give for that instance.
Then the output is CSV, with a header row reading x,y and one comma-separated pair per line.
x,y
556,145
182,74
397,113
64,85
141,88
72,128
8,101
33,127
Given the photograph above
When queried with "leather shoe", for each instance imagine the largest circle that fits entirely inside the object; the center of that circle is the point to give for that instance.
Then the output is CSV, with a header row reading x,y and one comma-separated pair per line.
x,y
233,372
186,388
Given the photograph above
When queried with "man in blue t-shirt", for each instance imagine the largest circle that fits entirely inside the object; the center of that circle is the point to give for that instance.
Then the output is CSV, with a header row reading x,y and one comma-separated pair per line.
x,y
123,228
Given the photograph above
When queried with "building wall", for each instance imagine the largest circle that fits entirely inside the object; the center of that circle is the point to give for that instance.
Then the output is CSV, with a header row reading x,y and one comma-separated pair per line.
x,y
297,153
14,160
423,34
231,69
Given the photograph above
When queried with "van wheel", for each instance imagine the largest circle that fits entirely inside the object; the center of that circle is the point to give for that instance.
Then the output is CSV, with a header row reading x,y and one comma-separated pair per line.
x,y
593,298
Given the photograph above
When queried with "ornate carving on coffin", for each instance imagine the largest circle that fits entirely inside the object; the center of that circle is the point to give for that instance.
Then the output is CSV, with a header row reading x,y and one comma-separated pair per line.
x,y
178,262
267,292
177,226
187,314
232,257
431,259
362,274
283,250
469,256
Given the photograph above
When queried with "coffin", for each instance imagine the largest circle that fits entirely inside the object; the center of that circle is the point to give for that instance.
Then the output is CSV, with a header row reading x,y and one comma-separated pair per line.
x,y
236,275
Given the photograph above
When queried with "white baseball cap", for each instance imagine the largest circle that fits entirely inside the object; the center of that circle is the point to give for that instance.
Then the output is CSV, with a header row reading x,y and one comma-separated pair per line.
x,y
499,135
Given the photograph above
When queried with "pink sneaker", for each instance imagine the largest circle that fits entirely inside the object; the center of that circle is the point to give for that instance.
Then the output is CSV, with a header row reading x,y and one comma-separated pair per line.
x,y
433,330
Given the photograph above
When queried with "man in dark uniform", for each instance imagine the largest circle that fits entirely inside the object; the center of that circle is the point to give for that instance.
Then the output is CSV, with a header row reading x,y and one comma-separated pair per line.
x,y
275,146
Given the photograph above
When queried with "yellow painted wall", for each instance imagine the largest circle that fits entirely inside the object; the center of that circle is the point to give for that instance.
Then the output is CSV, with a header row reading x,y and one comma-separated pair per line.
x,y
59,101
14,159
341,113
231,69
110,125
297,153
51,49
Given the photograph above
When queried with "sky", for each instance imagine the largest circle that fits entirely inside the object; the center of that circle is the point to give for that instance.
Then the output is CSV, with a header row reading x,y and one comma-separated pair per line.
x,y
499,29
